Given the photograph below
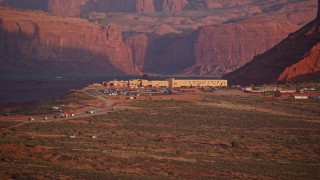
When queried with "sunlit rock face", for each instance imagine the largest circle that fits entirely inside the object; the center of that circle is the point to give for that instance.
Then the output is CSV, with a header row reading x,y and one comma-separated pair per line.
x,y
33,41
295,59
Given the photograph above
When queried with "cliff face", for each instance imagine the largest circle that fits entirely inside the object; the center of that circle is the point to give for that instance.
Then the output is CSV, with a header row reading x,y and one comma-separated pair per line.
x,y
38,42
117,6
307,68
163,55
220,49
65,7
168,55
163,43
170,5
294,59
212,50
75,8
138,45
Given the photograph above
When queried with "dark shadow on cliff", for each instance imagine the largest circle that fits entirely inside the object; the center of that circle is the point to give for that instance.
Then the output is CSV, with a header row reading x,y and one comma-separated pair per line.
x,y
20,52
169,54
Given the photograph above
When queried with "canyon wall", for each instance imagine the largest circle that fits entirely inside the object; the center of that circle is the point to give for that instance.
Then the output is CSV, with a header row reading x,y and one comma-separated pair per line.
x,y
163,55
76,8
212,50
296,58
222,48
39,42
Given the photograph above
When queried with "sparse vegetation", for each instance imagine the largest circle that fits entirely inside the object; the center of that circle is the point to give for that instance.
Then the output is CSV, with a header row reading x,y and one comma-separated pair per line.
x,y
170,138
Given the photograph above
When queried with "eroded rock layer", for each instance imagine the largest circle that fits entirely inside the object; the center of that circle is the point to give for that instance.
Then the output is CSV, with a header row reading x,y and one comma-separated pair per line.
x,y
39,42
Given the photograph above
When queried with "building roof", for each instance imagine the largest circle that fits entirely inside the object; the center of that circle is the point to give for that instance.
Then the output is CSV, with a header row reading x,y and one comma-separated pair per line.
x,y
197,78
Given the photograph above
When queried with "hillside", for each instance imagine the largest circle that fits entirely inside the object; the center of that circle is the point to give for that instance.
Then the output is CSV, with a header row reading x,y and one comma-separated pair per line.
x,y
294,59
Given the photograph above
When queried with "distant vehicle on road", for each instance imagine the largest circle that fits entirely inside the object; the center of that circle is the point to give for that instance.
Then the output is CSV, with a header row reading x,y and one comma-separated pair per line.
x,y
90,112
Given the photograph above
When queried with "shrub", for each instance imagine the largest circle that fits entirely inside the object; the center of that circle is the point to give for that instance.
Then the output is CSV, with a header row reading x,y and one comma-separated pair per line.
x,y
277,93
234,144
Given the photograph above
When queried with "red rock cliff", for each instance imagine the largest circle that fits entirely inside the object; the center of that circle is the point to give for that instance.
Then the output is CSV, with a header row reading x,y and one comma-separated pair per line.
x,y
294,59
307,68
76,8
39,42
169,54
138,45
220,49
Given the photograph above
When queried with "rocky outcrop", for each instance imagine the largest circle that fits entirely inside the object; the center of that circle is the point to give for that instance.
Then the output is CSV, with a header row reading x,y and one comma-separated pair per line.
x,y
170,5
33,41
67,8
294,59
220,49
307,68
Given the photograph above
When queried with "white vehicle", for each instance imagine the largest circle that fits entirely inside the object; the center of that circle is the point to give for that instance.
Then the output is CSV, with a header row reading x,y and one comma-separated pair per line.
x,y
90,112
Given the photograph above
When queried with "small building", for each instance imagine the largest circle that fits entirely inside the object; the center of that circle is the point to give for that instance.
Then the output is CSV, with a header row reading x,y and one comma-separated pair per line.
x,y
300,96
307,96
287,91
269,89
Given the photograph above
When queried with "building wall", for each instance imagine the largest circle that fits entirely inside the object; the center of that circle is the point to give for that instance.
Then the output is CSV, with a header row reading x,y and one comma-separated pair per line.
x,y
195,82
134,83
144,83
158,83
118,83
170,82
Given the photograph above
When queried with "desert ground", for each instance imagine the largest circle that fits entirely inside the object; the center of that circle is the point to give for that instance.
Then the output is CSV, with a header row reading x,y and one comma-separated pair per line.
x,y
200,135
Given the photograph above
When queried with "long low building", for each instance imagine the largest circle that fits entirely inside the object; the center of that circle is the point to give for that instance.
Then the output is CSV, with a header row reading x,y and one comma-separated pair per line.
x,y
171,82
197,82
